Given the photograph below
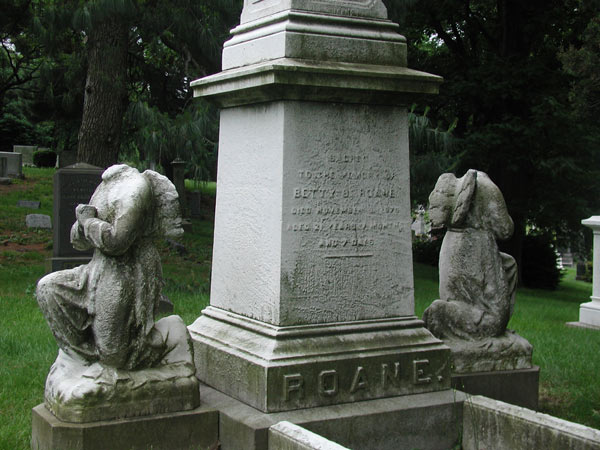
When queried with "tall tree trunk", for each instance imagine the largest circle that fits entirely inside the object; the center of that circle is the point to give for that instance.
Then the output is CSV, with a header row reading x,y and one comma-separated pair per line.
x,y
105,94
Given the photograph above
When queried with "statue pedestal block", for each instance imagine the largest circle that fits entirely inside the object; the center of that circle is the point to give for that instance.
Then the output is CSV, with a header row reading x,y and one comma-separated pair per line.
x,y
424,421
193,429
518,387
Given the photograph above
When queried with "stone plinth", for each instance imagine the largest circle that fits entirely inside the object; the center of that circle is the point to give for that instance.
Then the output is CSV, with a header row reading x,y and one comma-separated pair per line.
x,y
518,387
72,185
312,286
421,421
589,313
188,430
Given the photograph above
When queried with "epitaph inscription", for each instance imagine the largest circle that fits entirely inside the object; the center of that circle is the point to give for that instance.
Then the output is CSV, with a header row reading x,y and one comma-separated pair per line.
x,y
344,217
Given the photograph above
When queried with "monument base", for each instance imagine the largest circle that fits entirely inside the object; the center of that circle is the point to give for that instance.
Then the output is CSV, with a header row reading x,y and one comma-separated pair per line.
x,y
582,325
589,313
423,421
285,368
186,430
518,387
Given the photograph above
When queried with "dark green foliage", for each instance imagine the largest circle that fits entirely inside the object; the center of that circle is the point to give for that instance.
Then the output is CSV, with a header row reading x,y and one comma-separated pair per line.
x,y
509,99
427,251
539,263
44,158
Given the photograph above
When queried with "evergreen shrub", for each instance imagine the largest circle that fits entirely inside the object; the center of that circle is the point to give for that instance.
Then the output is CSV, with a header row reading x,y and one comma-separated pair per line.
x,y
427,251
44,158
538,263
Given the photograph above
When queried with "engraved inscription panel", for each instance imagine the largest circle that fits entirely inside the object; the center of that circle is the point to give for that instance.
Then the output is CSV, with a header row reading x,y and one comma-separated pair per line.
x,y
346,217
337,382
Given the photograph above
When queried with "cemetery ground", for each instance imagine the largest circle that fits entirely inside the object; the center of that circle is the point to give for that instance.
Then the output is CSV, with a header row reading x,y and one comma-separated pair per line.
x,y
568,357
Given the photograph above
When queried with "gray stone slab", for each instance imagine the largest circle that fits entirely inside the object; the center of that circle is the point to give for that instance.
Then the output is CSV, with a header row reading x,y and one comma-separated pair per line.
x,y
31,204
517,387
288,436
256,9
423,421
38,221
491,424
189,430
582,325
72,185
14,162
5,181
27,151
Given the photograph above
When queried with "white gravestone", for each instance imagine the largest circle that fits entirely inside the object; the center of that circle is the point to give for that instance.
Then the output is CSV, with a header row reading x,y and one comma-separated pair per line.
x,y
589,313
312,286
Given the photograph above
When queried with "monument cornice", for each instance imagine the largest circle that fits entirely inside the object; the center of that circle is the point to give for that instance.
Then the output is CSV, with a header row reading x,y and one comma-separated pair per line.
x,y
294,79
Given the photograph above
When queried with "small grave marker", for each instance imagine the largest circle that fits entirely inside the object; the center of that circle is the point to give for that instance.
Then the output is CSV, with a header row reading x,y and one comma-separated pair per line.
x,y
31,204
38,221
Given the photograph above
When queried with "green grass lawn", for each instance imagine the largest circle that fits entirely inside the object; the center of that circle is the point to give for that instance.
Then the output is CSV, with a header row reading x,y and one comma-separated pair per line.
x,y
567,357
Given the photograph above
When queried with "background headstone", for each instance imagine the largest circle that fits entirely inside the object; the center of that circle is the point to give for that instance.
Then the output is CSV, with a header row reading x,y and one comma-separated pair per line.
x,y
38,221
72,185
31,204
66,158
13,164
27,151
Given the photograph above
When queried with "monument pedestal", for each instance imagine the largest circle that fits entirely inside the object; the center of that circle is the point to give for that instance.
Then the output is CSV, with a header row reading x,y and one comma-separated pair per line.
x,y
187,430
423,421
285,368
518,387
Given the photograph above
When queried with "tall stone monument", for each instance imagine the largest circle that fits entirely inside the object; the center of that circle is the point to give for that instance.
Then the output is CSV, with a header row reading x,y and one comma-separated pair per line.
x,y
312,284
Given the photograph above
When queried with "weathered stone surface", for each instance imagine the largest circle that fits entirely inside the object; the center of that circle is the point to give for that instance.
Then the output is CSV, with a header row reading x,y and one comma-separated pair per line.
x,y
256,9
304,80
509,351
286,368
188,430
517,387
31,204
424,421
287,436
5,181
300,35
117,362
27,151
477,281
492,424
38,221
14,162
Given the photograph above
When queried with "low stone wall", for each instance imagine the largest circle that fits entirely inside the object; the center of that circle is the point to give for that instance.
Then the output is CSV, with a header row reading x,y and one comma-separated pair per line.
x,y
287,436
491,424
